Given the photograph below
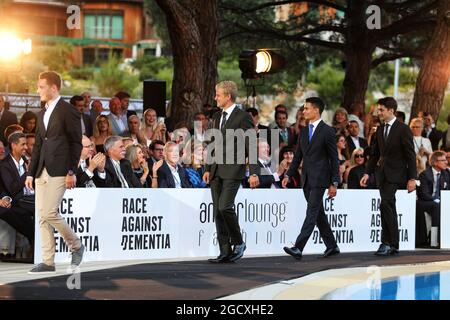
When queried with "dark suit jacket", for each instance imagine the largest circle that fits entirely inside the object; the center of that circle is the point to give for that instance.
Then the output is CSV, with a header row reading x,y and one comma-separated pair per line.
x,y
59,147
237,120
12,183
355,175
8,118
351,145
265,179
165,178
425,190
395,159
83,178
435,137
112,181
320,160
87,125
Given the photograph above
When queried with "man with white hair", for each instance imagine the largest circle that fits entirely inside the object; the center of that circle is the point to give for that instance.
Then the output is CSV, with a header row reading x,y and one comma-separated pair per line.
x,y
119,173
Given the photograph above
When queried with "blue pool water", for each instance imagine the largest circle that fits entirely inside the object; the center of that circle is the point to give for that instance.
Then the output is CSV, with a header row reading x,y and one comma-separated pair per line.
x,y
421,286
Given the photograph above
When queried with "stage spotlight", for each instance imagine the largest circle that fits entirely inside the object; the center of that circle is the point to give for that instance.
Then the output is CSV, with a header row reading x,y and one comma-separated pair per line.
x,y
256,63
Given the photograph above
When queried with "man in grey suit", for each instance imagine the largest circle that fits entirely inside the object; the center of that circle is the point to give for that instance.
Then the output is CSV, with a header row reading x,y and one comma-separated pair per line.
x,y
225,176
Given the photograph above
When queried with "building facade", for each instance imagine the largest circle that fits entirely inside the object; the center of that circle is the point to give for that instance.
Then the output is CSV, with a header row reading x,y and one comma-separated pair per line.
x,y
94,28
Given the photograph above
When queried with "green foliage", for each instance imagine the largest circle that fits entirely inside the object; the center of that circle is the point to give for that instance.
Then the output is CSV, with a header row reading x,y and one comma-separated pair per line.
x,y
82,73
160,68
111,77
445,112
327,80
56,57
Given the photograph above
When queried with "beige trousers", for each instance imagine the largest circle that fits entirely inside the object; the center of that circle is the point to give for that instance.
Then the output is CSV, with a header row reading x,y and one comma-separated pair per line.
x,y
49,193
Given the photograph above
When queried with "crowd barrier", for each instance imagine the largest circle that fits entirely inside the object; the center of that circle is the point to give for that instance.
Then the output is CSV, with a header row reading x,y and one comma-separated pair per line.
x,y
127,224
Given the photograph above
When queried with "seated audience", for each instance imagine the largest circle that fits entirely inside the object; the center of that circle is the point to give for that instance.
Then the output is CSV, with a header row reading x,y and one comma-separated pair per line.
x,y
28,122
194,162
432,181
286,158
119,173
139,164
91,168
171,174
102,130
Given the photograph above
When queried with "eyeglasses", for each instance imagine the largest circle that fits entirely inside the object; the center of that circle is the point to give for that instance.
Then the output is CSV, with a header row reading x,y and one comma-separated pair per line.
x,y
89,146
158,149
359,156
441,159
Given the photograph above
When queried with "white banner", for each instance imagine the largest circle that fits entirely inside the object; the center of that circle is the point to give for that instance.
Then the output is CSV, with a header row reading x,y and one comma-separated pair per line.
x,y
127,224
445,219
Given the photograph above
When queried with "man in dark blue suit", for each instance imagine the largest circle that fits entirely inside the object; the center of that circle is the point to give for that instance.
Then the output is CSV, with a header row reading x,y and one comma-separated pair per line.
x,y
432,181
317,148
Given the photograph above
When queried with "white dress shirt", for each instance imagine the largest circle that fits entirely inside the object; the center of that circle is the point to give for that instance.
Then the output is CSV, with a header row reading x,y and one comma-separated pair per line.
x,y
229,111
315,124
50,106
21,169
176,176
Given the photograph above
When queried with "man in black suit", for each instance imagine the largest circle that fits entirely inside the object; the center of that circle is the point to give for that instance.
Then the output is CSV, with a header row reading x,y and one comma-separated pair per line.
x,y
55,158
171,174
432,181
431,132
13,172
317,148
354,140
225,174
393,161
86,124
6,118
91,167
119,173
268,178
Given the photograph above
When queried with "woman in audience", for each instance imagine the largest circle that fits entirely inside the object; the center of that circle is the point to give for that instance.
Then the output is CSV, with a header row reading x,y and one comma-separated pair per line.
x,y
134,126
356,170
135,155
28,122
300,122
153,130
341,145
102,130
340,121
422,145
170,174
286,157
194,162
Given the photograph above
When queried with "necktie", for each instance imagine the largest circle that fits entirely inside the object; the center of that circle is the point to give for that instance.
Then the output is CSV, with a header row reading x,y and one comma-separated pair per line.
x,y
437,195
123,182
311,128
386,131
224,120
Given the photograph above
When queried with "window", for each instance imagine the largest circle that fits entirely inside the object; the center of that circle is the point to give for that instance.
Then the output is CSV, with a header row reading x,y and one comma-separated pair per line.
x,y
103,26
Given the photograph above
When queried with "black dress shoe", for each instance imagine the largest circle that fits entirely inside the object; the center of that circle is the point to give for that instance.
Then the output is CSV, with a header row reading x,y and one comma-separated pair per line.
x,y
384,250
331,252
294,251
238,252
224,256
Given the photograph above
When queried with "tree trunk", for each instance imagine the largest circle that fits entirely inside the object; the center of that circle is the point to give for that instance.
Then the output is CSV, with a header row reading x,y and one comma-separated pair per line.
x,y
193,31
358,54
435,71
357,72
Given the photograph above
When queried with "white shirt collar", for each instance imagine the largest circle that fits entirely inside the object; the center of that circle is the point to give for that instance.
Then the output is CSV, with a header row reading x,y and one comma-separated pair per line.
x,y
435,172
316,123
52,103
230,110
391,122
20,163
